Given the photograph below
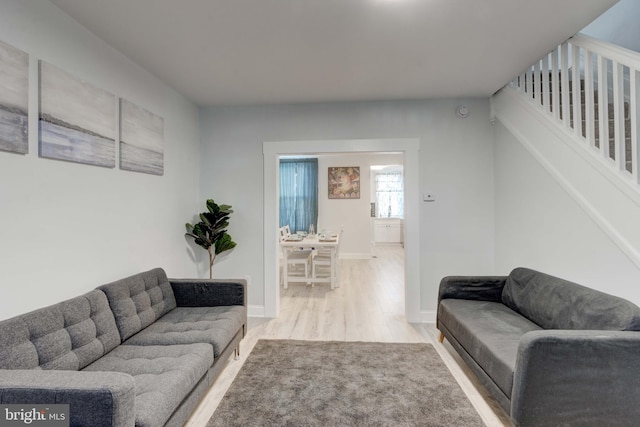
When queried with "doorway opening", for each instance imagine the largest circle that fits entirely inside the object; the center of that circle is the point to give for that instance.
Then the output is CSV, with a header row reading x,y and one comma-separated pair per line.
x,y
272,151
387,204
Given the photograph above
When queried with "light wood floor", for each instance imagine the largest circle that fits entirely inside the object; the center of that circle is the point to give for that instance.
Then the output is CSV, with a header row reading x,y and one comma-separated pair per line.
x,y
368,306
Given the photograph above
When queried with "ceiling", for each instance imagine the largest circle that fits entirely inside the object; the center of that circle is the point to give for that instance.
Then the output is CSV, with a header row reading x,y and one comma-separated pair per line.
x,y
238,52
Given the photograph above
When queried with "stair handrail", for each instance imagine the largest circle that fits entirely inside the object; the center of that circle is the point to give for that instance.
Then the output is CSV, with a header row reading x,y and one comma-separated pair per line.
x,y
620,54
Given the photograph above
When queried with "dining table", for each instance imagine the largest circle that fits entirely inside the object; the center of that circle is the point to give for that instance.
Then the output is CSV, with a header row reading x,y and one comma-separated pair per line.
x,y
314,242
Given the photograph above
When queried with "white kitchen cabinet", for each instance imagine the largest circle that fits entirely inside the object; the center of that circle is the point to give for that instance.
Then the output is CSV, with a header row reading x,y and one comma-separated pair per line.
x,y
388,230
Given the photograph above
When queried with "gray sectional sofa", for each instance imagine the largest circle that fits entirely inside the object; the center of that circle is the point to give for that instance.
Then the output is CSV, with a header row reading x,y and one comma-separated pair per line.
x,y
551,352
140,351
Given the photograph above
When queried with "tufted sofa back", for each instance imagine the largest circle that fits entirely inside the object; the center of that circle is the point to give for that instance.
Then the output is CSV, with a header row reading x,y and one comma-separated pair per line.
x,y
139,300
555,303
69,335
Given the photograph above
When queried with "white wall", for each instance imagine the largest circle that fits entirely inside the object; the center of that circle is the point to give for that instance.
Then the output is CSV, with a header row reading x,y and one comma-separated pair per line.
x,y
456,162
66,228
354,214
556,211
618,25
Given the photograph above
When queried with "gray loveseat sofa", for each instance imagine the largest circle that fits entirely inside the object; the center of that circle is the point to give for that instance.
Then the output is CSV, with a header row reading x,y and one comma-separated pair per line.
x,y
139,351
550,351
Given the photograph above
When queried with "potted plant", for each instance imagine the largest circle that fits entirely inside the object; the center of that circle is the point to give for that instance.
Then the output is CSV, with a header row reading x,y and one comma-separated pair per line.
x,y
211,232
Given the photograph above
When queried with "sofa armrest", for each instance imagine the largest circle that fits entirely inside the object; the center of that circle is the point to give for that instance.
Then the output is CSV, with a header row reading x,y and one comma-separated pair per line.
x,y
483,288
577,377
94,398
209,292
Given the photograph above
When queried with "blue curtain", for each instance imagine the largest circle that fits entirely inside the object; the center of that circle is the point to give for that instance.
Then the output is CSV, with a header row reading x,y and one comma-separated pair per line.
x,y
298,193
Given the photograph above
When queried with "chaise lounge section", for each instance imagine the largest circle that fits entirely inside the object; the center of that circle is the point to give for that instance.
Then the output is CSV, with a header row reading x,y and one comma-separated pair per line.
x,y
550,351
140,351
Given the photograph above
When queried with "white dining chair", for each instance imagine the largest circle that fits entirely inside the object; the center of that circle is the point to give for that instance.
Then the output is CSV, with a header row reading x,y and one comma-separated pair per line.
x,y
321,261
283,233
298,261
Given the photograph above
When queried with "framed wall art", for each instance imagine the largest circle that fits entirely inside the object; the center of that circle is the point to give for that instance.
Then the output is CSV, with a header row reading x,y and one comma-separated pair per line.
x,y
14,77
77,119
141,139
344,182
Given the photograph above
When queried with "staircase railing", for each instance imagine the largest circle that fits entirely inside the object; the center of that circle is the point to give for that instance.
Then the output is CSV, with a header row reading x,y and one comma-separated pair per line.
x,y
605,103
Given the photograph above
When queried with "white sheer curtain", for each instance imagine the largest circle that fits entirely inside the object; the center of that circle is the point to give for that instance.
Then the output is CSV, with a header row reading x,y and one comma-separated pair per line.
x,y
389,195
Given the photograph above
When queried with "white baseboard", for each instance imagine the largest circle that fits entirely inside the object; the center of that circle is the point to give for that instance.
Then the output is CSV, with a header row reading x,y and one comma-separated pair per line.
x,y
355,255
255,311
428,316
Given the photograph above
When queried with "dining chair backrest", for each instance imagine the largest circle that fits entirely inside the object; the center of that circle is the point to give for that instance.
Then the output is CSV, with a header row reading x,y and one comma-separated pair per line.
x,y
326,251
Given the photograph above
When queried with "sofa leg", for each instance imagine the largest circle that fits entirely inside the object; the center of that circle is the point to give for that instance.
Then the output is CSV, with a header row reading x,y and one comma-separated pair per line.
x,y
441,338
236,353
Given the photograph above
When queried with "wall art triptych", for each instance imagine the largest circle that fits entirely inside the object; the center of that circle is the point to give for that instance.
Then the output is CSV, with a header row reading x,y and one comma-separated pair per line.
x,y
77,120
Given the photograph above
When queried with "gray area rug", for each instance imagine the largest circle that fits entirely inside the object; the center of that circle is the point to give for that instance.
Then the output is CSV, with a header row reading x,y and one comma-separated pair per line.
x,y
319,383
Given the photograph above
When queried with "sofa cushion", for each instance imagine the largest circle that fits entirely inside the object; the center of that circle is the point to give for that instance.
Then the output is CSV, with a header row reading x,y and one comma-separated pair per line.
x,y
490,332
164,376
68,335
555,303
185,325
139,300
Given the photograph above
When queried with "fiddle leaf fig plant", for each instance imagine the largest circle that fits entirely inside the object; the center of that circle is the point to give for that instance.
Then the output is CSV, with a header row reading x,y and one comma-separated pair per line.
x,y
211,232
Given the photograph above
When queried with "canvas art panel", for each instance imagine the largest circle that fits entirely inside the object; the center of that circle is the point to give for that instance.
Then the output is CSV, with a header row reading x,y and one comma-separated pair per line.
x,y
344,182
141,139
14,99
77,119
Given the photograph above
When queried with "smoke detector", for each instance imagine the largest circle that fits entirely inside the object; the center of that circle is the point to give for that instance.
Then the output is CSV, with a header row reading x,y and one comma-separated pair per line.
x,y
462,111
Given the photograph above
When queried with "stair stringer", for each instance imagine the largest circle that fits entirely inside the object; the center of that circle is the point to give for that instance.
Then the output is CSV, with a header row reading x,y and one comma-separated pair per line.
x,y
611,201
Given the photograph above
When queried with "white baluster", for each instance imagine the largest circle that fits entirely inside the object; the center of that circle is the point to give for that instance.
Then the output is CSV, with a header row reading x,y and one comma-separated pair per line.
x,y
577,101
530,82
588,99
536,83
555,84
618,115
564,72
546,102
603,108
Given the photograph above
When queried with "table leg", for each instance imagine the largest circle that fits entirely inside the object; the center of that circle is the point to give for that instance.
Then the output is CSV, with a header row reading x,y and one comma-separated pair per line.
x,y
285,268
333,268
337,264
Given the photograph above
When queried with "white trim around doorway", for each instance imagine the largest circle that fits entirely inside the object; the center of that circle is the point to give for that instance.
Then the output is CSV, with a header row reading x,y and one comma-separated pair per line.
x,y
410,147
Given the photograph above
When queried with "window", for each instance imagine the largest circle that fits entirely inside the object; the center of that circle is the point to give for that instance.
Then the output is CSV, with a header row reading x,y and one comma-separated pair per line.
x,y
389,195
298,193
